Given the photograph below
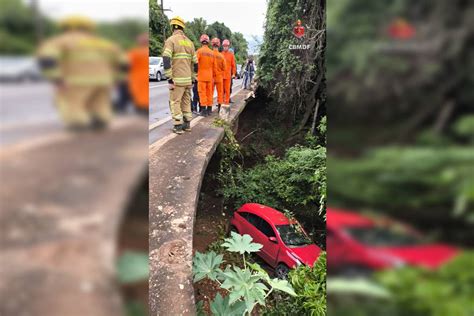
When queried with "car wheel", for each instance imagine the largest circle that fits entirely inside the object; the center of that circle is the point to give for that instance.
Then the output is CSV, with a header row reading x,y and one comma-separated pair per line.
x,y
281,271
158,76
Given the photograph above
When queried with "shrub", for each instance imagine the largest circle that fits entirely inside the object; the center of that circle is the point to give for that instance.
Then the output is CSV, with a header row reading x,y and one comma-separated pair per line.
x,y
247,287
309,284
447,291
297,182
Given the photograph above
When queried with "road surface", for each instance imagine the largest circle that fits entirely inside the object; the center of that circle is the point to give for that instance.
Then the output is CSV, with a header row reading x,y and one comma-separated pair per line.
x,y
159,118
26,111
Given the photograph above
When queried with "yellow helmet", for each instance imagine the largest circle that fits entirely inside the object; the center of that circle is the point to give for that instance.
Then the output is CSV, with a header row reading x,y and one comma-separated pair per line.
x,y
177,20
77,22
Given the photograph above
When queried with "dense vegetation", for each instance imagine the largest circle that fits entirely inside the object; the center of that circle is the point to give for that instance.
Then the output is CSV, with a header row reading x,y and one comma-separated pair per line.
x,y
294,79
159,23
414,93
246,285
19,34
419,292
283,162
401,139
309,284
400,87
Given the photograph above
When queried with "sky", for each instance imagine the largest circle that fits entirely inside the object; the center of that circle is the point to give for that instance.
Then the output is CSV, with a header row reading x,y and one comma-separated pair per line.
x,y
244,16
100,10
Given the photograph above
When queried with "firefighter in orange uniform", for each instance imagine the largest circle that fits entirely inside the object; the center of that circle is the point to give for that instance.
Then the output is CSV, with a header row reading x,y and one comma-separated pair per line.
x,y
219,72
205,75
138,78
229,73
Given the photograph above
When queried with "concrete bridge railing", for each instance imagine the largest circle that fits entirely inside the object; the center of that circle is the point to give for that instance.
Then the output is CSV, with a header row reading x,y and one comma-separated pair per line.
x,y
62,201
177,168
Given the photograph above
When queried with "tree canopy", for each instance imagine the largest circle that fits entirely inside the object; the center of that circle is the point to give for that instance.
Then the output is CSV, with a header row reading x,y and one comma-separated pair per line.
x,y
194,29
294,78
18,34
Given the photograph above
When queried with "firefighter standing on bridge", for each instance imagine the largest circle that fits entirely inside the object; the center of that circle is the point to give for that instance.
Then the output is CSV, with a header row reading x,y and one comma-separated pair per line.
x,y
220,68
229,73
205,77
84,68
180,63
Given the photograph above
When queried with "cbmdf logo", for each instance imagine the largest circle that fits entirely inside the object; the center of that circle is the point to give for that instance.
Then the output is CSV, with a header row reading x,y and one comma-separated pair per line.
x,y
298,30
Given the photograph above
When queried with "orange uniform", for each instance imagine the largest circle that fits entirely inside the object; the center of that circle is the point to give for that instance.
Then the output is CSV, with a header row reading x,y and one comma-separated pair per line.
x,y
220,69
137,77
230,71
205,75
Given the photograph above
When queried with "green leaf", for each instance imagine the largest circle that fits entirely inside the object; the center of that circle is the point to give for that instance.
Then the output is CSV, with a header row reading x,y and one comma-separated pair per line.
x,y
282,285
200,309
206,265
222,307
132,266
241,244
245,285
135,308
263,274
360,287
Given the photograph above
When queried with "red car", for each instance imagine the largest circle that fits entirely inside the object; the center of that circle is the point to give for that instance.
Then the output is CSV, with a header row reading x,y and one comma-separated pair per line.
x,y
358,243
285,243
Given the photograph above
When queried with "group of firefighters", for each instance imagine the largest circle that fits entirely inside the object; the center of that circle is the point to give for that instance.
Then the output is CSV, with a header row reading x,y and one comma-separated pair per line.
x,y
85,68
207,69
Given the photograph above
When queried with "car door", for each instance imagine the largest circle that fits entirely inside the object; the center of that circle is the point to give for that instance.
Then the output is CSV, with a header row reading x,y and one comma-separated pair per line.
x,y
251,228
244,224
336,257
270,249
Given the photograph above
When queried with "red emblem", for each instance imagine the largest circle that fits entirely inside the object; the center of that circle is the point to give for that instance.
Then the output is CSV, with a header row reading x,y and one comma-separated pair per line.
x,y
298,30
401,29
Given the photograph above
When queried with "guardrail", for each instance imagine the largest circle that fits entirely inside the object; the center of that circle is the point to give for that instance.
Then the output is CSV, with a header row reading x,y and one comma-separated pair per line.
x,y
62,201
177,167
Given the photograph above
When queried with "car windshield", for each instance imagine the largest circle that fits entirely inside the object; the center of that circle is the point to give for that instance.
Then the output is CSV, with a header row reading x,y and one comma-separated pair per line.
x,y
292,235
384,236
154,61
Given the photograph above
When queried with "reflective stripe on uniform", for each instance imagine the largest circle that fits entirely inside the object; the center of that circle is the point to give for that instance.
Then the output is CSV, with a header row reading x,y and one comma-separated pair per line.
x,y
87,56
50,52
89,80
183,81
182,56
167,52
195,59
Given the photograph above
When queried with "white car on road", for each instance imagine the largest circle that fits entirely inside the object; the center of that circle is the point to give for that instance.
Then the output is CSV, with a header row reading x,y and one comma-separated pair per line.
x,y
18,69
156,71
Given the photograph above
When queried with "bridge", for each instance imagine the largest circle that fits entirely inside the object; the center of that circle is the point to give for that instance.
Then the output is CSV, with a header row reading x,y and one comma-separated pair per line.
x,y
177,167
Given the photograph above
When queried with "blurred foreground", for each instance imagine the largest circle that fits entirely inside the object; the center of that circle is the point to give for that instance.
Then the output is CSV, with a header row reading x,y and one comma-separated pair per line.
x,y
401,129
74,202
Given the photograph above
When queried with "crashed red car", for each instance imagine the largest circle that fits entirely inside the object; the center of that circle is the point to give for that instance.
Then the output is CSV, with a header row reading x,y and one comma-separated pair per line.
x,y
285,243
358,243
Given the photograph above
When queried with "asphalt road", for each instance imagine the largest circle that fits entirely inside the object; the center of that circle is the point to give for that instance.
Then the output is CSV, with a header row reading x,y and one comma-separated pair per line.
x,y
26,111
160,118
